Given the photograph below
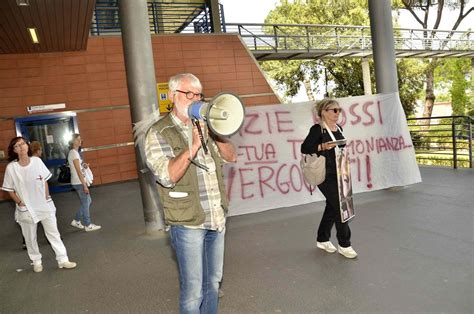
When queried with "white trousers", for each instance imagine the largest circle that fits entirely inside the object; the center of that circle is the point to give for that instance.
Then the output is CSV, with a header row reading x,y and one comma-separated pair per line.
x,y
28,228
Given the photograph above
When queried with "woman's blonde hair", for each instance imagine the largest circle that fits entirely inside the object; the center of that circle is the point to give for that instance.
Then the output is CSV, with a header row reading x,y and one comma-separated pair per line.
x,y
35,146
73,138
324,104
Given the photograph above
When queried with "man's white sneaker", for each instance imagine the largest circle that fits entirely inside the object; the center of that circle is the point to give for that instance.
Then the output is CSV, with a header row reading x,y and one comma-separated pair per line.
x,y
347,252
92,227
38,268
326,246
77,224
67,265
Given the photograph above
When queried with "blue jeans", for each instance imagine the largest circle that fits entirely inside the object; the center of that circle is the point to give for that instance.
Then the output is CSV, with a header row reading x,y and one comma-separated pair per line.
x,y
200,256
86,201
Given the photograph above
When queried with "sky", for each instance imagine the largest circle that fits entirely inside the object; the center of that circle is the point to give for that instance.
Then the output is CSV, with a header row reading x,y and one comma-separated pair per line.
x,y
247,11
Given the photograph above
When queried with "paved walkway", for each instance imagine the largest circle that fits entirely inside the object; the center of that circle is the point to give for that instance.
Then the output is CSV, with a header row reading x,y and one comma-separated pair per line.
x,y
415,250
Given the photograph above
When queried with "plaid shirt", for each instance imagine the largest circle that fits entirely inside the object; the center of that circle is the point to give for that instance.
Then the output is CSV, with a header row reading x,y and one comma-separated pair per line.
x,y
158,154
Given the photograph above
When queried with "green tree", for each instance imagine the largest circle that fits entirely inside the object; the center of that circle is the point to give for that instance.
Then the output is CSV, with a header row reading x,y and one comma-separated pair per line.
x,y
410,83
453,75
420,10
345,73
289,75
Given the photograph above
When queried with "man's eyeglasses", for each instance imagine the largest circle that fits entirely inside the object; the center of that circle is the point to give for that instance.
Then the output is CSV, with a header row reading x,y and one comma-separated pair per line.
x,y
191,95
335,110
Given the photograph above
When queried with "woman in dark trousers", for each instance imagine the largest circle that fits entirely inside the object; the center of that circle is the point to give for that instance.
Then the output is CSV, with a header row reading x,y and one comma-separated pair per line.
x,y
318,142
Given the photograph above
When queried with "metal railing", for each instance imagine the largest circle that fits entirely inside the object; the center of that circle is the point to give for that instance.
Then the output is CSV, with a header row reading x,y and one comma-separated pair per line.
x,y
164,17
442,141
288,41
354,39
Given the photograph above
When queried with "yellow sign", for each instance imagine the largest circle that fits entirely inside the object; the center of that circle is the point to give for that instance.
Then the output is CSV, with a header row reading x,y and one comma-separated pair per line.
x,y
165,104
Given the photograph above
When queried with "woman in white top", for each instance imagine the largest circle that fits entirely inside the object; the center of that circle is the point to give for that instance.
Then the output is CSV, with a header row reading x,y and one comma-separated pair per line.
x,y
26,182
80,184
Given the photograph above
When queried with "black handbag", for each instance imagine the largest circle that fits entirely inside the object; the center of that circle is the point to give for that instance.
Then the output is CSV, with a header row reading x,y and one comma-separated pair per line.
x,y
64,174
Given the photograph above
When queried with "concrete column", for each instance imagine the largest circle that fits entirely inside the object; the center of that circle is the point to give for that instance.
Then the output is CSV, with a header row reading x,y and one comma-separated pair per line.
x,y
366,76
380,13
141,85
215,15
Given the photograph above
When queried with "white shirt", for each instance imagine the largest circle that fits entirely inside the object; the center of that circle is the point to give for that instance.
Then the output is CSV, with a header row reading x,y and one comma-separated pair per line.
x,y
71,156
28,183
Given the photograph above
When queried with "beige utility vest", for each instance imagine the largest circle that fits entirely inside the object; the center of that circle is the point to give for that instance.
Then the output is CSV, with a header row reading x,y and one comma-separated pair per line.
x,y
186,210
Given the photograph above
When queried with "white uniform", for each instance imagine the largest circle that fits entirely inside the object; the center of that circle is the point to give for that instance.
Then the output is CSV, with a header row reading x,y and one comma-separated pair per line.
x,y
29,184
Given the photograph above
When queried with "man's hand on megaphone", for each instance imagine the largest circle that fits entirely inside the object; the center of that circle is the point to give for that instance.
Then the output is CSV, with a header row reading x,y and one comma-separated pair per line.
x,y
196,140
226,148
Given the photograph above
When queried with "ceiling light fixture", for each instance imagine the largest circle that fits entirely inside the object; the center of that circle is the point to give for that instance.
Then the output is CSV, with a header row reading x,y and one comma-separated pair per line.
x,y
23,3
34,35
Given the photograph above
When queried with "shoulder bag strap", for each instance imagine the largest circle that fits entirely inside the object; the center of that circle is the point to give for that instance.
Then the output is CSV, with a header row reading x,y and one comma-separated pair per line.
x,y
340,131
329,131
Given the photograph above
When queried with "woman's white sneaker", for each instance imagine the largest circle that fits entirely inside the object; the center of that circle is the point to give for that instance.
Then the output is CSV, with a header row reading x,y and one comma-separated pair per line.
x,y
92,227
38,267
67,265
326,246
77,224
347,252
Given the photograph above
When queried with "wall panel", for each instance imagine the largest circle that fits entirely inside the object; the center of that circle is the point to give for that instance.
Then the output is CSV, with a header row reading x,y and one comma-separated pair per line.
x,y
94,79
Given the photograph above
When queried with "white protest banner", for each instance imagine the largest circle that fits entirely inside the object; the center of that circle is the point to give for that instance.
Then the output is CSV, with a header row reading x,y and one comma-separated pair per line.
x,y
267,174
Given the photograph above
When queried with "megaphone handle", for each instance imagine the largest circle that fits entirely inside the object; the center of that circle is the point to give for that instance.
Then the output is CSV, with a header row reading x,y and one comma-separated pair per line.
x,y
203,143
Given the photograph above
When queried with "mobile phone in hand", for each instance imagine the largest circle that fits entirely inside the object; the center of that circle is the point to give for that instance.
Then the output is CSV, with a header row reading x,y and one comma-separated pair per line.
x,y
338,142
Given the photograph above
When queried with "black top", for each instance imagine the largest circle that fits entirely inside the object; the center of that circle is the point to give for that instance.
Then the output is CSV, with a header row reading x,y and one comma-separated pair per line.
x,y
314,138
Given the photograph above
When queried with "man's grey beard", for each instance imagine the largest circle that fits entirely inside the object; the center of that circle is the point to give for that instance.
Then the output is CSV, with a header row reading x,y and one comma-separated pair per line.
x,y
182,112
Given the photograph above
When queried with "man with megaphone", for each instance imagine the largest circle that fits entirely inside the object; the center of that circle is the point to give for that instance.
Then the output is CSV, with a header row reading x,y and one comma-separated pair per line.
x,y
186,159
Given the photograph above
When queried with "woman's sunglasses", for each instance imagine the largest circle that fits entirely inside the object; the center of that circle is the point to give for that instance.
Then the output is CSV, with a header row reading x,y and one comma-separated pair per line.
x,y
335,110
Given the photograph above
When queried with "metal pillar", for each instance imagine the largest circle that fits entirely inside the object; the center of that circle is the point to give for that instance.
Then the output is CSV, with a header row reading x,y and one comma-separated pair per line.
x,y
141,83
366,76
215,15
380,13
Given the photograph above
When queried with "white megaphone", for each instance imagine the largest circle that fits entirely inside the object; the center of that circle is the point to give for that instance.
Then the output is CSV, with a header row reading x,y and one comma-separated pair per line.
x,y
224,114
